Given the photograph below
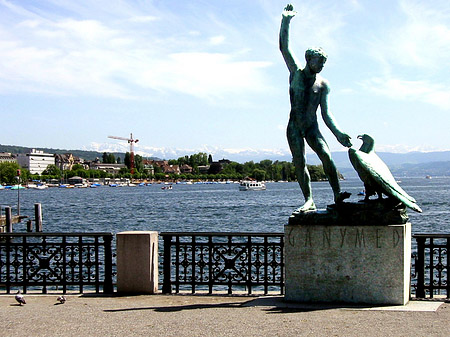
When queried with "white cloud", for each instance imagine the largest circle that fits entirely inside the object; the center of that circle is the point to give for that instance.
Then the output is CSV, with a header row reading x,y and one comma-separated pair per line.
x,y
143,19
217,40
418,37
71,56
402,148
423,91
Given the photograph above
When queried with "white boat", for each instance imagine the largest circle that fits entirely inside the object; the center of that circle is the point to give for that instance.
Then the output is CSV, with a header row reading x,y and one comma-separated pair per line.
x,y
39,187
251,185
80,185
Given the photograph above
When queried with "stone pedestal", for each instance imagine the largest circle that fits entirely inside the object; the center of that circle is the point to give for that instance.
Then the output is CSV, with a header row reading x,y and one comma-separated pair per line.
x,y
137,262
328,261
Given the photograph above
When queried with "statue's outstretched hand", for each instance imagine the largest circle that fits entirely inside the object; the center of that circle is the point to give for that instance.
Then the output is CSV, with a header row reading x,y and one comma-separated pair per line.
x,y
289,11
344,139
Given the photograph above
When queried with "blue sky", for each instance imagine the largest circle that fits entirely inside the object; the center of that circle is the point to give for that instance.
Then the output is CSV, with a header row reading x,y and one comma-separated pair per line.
x,y
189,76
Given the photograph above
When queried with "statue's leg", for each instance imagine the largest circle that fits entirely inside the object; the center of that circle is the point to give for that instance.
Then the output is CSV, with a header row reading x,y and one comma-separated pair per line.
x,y
320,146
297,146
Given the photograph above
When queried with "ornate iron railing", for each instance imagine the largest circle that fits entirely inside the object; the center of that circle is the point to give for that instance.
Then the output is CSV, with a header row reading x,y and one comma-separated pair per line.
x,y
223,261
431,265
58,260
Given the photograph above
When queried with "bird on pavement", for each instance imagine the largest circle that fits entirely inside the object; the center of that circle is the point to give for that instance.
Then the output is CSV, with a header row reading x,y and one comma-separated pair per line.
x,y
19,298
61,299
376,176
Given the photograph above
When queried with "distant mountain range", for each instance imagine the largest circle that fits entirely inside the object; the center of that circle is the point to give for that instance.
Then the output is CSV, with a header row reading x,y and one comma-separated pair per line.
x,y
401,164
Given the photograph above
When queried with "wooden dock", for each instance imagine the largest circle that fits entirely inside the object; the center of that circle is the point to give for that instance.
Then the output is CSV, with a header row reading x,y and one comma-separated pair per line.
x,y
8,220
14,220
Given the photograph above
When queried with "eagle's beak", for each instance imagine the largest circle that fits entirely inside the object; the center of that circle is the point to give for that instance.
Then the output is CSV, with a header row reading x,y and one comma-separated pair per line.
x,y
360,137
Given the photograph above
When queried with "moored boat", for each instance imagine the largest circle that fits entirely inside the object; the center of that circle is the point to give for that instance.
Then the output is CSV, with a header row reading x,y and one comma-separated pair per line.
x,y
251,185
39,187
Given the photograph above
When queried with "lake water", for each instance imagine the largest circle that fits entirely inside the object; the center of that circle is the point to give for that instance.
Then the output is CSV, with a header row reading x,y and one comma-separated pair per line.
x,y
207,207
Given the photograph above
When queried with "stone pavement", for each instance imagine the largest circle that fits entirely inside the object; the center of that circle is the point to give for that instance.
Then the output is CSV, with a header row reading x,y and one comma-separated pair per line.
x,y
201,315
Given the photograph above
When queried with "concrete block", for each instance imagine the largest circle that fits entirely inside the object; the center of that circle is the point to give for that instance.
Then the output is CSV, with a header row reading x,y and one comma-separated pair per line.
x,y
348,264
137,262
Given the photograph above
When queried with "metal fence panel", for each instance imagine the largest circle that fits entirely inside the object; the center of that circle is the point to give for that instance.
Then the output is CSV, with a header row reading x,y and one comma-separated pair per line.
x,y
223,261
431,265
61,261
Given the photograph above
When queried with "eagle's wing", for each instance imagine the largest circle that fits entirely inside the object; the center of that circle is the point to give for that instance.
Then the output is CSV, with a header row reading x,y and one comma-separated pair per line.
x,y
372,165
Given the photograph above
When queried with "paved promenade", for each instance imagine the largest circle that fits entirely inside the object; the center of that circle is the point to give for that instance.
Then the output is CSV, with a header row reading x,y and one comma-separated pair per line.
x,y
201,315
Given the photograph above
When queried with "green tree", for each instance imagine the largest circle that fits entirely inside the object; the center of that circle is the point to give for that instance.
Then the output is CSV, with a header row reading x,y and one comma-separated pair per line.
x,y
183,160
258,174
127,160
138,165
124,170
8,173
77,167
111,159
52,170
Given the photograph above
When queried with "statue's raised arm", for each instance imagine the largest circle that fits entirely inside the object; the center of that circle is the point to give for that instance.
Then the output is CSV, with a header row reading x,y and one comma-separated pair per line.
x,y
288,56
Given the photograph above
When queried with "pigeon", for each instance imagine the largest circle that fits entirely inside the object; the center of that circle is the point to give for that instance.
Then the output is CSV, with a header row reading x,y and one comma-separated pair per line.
x,y
61,299
19,298
376,176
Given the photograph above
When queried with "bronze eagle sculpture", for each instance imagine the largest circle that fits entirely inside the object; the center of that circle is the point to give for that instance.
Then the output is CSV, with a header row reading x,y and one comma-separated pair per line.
x,y
376,176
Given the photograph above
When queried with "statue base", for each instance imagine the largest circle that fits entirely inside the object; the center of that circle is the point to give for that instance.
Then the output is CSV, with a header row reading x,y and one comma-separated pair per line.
x,y
330,257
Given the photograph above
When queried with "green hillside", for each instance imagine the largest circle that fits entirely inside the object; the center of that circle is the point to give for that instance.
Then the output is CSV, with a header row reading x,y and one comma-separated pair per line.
x,y
86,155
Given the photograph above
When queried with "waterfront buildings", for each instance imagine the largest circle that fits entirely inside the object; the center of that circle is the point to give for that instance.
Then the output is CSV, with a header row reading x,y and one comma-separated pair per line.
x,y
36,161
6,157
109,168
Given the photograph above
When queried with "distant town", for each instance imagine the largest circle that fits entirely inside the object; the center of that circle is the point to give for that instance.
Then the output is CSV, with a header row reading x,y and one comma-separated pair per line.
x,y
67,168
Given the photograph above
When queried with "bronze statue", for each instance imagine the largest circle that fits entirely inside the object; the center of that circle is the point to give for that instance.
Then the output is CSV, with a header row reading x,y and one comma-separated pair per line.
x,y
376,176
308,91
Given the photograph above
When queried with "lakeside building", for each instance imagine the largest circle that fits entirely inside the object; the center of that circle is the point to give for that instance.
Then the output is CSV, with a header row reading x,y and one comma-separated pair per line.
x,y
148,166
203,169
6,157
185,168
36,161
171,169
66,161
164,166
108,168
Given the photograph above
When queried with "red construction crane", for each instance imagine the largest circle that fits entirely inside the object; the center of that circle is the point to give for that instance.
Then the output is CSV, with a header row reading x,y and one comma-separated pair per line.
x,y
130,141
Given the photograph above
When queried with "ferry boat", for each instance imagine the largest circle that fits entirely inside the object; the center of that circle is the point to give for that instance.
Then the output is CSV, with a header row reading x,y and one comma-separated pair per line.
x,y
251,185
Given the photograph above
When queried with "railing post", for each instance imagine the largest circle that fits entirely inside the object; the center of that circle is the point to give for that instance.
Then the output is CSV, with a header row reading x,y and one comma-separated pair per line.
x,y
282,264
266,266
108,287
448,267
38,217
8,219
29,226
249,265
167,264
420,267
193,264
8,264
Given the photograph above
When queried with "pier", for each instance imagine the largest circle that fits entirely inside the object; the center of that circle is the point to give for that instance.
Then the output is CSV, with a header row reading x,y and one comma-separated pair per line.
x,y
8,220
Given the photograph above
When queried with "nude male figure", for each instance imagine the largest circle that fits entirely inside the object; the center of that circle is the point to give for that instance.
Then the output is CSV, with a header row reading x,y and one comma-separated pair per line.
x,y
308,91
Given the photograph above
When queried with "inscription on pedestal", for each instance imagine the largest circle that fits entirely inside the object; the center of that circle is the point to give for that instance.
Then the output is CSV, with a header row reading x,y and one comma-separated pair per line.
x,y
353,264
369,237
